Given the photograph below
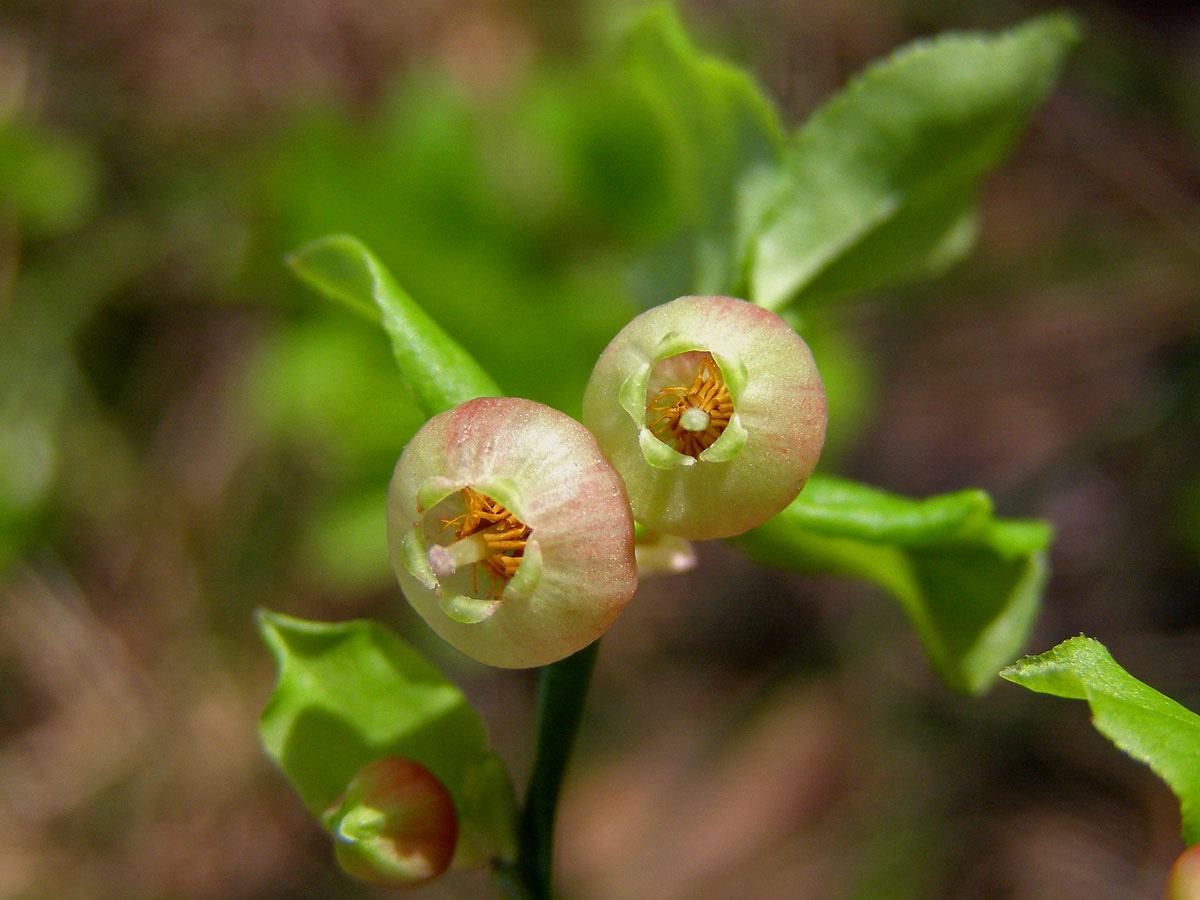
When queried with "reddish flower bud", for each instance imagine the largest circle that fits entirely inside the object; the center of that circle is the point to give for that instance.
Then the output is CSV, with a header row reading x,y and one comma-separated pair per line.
x,y
395,824
1184,883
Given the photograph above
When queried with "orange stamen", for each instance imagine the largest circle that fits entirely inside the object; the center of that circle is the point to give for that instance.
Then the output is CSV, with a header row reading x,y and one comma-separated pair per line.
x,y
503,532
708,393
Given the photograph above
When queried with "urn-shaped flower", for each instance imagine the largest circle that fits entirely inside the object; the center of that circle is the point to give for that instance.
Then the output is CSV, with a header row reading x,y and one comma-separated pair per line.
x,y
713,412
510,532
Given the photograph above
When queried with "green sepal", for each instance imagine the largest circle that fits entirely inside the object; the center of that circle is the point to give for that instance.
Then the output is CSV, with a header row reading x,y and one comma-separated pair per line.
x,y
729,444
350,693
468,610
529,573
416,557
1149,726
969,583
438,371
659,454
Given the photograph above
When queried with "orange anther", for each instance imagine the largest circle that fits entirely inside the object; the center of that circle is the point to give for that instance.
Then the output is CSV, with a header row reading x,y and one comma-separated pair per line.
x,y
708,393
504,533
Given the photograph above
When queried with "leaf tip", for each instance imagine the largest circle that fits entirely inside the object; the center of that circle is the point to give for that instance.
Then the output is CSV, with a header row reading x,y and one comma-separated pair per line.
x,y
268,627
1057,670
308,248
284,634
1068,25
1012,672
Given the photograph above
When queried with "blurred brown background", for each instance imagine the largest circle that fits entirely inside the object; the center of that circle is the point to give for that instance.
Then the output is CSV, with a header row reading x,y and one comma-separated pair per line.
x,y
750,735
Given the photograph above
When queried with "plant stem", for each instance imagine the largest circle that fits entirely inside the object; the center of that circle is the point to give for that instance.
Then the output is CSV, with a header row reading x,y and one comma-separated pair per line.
x,y
561,694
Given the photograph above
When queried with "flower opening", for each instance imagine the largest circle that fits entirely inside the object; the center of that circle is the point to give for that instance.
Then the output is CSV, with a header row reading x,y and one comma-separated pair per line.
x,y
485,535
688,419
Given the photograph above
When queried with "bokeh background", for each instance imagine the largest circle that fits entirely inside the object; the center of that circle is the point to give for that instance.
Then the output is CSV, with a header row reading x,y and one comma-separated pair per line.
x,y
186,434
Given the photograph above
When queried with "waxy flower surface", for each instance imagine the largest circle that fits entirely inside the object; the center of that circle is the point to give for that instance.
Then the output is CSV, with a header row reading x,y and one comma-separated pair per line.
x,y
713,412
510,532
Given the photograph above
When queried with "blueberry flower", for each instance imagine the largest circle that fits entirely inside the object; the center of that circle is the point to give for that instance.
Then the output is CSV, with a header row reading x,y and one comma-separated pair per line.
x,y
713,412
510,532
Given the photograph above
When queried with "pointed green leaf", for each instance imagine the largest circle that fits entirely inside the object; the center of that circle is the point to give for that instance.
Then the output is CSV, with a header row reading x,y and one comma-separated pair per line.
x,y
970,584
353,692
439,372
878,186
1147,725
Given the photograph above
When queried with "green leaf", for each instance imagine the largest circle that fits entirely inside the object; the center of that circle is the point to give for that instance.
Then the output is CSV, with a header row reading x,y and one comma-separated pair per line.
x,y
970,584
439,372
1147,725
718,117
718,126
353,692
878,186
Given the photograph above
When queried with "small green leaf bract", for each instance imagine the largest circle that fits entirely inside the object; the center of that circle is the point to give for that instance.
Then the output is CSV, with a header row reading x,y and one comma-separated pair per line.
x,y
352,692
1147,725
970,584
438,371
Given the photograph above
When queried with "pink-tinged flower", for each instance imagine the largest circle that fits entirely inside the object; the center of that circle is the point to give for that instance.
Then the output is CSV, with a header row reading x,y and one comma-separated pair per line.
x,y
395,824
510,532
713,412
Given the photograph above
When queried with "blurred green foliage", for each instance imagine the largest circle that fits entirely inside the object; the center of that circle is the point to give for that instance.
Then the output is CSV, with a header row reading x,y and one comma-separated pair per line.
x,y
48,182
531,219
48,188
568,198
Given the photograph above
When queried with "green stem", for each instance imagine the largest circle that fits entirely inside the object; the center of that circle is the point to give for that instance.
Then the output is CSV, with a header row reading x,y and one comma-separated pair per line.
x,y
563,687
